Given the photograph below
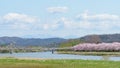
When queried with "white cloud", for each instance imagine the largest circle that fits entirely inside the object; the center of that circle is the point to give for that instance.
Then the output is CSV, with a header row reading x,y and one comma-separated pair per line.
x,y
89,23
61,27
72,24
18,21
50,26
66,22
99,21
19,18
98,17
57,9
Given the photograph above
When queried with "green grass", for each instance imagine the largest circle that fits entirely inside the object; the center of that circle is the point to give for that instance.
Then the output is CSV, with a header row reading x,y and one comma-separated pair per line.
x,y
90,53
16,63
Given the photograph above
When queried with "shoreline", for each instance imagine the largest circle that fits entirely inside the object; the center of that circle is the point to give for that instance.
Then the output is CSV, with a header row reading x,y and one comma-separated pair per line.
x,y
24,58
90,53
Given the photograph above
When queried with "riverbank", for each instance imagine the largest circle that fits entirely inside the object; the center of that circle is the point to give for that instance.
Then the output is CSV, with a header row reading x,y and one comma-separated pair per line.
x,y
22,63
90,53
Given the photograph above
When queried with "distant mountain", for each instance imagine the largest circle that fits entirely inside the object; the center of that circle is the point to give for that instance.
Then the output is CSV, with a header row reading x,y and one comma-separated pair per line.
x,y
108,38
60,42
49,42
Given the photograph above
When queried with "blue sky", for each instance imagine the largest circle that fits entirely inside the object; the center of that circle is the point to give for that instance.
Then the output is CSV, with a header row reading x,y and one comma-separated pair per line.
x,y
58,18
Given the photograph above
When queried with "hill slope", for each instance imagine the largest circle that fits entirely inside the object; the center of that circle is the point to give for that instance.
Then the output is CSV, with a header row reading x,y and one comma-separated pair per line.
x,y
108,38
70,43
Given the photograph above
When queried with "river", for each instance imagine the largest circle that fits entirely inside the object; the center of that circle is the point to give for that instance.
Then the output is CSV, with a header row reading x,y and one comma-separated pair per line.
x,y
49,55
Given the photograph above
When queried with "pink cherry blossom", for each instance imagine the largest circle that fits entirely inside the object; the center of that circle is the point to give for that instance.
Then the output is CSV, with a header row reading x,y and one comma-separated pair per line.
x,y
97,47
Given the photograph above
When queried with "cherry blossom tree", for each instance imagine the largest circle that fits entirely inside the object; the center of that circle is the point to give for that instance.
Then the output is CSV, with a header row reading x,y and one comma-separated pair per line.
x,y
97,47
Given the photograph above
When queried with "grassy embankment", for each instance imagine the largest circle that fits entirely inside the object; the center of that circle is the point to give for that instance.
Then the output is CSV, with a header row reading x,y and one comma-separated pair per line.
x,y
17,63
90,53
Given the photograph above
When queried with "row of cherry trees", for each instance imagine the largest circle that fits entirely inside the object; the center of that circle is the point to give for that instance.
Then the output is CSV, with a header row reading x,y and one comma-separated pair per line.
x,y
97,47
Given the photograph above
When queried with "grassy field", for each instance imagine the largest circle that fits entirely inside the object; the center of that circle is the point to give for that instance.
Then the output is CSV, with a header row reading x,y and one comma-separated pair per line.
x,y
90,53
17,63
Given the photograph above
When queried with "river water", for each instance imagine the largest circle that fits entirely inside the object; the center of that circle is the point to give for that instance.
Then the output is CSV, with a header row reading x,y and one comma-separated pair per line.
x,y
49,55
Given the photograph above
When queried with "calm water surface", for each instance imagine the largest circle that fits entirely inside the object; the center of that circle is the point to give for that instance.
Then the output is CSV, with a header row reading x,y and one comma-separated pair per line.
x,y
49,55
